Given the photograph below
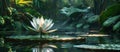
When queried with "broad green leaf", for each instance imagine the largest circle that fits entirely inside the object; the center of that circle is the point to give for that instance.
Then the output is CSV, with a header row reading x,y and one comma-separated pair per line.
x,y
113,10
111,21
71,10
32,12
116,26
79,25
93,19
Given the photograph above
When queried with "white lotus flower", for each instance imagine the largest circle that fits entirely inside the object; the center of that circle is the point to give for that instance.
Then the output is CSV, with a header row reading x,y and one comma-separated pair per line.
x,y
42,25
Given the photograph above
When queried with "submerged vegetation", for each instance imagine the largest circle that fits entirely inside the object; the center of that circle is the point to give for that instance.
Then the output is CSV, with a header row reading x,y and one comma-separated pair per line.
x,y
77,23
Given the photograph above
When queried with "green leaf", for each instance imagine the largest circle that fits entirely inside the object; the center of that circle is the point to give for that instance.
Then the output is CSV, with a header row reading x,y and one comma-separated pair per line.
x,y
71,10
2,21
79,25
113,10
28,27
32,12
111,21
116,26
93,19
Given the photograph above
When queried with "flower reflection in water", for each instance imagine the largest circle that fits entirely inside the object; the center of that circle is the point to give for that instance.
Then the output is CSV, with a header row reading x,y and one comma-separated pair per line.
x,y
43,50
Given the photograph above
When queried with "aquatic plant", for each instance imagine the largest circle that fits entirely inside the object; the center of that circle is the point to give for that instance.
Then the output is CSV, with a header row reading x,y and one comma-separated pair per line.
x,y
42,25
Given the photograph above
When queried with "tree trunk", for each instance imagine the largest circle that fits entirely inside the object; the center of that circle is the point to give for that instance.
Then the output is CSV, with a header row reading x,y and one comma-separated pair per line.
x,y
4,7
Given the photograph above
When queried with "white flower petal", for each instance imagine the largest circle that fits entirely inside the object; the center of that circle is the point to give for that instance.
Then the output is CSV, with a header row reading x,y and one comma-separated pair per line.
x,y
41,21
49,26
49,22
33,24
51,30
43,25
38,20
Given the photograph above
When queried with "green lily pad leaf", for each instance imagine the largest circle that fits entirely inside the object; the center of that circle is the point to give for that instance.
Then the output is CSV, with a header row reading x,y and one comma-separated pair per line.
x,y
111,21
116,26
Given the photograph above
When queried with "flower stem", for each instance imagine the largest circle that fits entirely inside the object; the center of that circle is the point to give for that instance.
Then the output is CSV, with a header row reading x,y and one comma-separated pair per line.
x,y
40,42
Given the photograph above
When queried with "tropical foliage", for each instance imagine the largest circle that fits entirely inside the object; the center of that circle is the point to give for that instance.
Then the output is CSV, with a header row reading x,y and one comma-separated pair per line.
x,y
22,20
110,19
